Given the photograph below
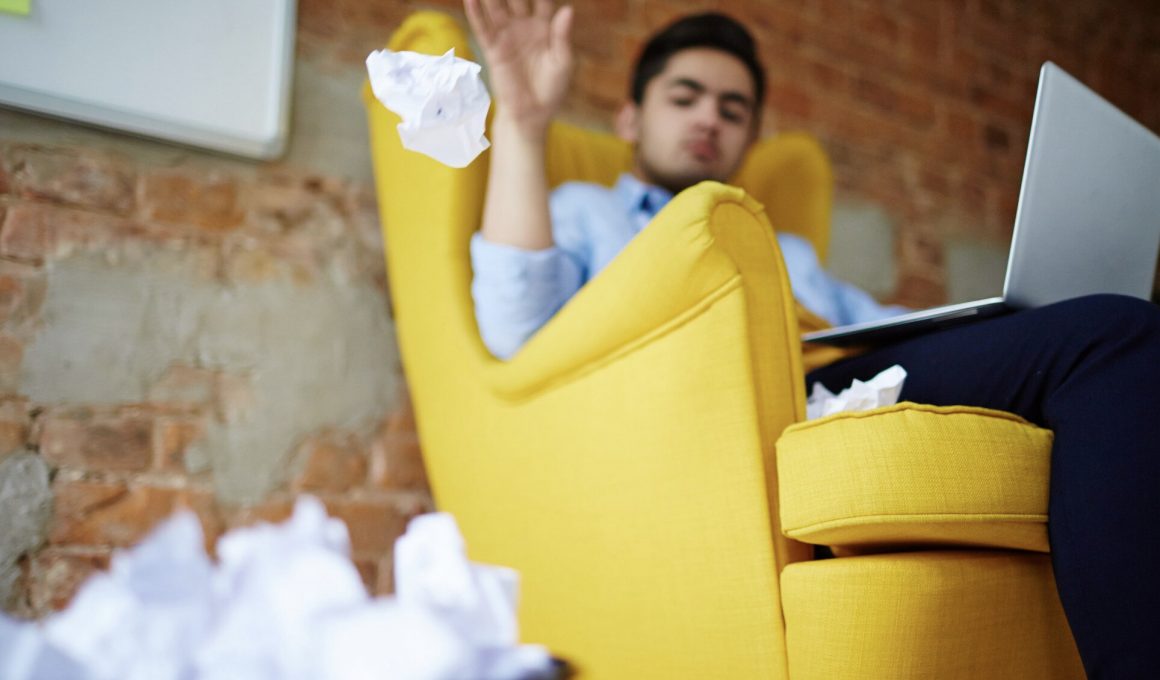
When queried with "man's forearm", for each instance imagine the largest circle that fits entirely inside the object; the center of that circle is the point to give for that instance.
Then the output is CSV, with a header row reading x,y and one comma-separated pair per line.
x,y
515,210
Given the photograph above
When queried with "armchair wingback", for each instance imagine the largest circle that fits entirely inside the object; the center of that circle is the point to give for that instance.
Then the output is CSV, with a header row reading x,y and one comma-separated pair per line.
x,y
623,460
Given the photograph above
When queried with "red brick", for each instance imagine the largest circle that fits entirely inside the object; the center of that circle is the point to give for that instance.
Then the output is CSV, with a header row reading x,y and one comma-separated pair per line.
x,y
274,510
916,109
918,291
102,441
923,250
281,203
960,126
22,290
996,138
397,462
602,82
15,424
385,576
594,28
879,25
172,436
211,202
986,98
368,571
374,524
5,183
791,99
332,462
396,459
73,177
55,576
36,231
402,418
112,514
923,44
11,359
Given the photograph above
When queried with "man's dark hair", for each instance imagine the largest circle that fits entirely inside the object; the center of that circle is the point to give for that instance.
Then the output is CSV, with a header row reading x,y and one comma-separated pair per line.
x,y
712,30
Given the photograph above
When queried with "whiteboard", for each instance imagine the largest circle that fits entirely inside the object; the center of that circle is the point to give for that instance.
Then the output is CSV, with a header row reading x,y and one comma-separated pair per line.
x,y
209,73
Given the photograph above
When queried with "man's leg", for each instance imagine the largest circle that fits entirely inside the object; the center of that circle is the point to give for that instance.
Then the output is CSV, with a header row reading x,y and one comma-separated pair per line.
x,y
1088,369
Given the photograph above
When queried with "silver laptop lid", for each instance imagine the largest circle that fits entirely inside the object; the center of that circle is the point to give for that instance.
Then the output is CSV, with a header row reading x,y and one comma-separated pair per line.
x,y
1088,218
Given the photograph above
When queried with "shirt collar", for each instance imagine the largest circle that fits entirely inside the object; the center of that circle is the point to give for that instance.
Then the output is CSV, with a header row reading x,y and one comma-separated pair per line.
x,y
641,199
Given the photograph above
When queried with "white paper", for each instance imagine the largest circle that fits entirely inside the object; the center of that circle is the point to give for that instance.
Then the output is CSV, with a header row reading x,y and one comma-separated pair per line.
x,y
881,390
442,101
284,602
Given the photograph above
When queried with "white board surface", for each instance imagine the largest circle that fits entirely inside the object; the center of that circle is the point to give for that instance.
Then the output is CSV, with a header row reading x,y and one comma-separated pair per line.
x,y
209,73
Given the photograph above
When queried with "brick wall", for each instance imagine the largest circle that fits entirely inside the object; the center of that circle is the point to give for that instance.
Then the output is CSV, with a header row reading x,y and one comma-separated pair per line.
x,y
923,106
114,457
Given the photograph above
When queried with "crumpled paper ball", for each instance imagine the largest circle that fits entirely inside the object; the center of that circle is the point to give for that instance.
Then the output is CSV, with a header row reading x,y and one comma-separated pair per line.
x,y
442,101
881,390
284,602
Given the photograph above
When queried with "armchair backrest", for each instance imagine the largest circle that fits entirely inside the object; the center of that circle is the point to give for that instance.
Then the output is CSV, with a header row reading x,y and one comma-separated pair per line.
x,y
788,173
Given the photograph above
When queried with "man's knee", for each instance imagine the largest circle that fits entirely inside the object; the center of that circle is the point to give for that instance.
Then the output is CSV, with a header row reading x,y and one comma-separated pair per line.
x,y
1111,316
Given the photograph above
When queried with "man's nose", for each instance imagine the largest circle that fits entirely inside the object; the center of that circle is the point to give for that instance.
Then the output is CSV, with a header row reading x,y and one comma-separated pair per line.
x,y
708,115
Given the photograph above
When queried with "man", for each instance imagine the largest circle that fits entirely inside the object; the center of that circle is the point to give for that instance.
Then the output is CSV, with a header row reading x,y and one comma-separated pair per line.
x,y
695,111
1087,368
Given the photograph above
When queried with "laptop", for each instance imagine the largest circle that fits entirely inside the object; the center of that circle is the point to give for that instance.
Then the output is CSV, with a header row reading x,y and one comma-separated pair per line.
x,y
1088,218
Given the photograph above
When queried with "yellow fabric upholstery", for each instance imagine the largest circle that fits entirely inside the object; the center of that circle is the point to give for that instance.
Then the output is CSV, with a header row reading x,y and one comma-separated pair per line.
x,y
623,461
927,615
583,463
868,480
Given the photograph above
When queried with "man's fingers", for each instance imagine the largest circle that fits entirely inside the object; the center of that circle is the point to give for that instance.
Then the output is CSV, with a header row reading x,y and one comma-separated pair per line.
x,y
562,32
519,8
543,9
497,12
478,22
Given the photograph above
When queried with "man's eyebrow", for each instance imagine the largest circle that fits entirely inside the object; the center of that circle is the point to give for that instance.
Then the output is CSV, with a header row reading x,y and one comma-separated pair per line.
x,y
687,82
699,88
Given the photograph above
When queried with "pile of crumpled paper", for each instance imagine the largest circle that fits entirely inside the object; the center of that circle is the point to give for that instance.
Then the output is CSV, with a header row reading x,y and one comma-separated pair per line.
x,y
283,602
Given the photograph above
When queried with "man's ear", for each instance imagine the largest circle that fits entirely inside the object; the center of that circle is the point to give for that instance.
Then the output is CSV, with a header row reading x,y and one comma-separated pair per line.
x,y
627,123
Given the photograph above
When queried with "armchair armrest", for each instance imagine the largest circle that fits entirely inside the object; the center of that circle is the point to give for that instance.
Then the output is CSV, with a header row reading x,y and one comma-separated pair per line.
x,y
672,272
912,475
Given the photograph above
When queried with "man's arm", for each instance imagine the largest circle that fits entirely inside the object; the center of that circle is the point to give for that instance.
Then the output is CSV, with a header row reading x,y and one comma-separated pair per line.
x,y
529,56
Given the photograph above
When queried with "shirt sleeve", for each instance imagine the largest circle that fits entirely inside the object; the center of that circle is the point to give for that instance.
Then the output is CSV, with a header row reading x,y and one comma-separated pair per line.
x,y
516,291
834,300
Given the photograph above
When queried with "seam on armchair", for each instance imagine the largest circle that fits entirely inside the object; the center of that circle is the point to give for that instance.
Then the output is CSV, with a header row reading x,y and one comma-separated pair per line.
x,y
976,411
947,518
580,370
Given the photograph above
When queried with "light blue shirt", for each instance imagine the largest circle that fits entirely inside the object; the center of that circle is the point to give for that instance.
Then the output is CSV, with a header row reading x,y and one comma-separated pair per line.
x,y
516,291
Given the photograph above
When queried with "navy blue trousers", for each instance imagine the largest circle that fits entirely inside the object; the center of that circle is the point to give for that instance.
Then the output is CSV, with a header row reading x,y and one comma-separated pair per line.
x,y
1088,369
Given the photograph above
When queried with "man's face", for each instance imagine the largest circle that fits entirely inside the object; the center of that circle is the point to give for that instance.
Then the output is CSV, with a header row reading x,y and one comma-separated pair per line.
x,y
695,122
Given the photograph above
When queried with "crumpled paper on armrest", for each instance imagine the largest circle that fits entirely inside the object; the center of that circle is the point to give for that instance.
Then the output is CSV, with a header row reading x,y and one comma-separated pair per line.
x,y
881,390
442,101
284,602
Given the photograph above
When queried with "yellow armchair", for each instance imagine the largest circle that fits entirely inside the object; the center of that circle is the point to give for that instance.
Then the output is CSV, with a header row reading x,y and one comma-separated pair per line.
x,y
624,460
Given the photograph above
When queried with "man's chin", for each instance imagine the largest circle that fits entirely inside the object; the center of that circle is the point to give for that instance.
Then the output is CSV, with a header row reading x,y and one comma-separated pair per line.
x,y
677,183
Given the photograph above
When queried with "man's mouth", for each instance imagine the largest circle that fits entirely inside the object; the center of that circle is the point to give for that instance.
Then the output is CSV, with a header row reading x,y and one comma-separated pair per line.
x,y
703,149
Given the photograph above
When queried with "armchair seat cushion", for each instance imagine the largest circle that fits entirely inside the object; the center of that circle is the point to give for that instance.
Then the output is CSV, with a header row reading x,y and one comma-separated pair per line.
x,y
913,474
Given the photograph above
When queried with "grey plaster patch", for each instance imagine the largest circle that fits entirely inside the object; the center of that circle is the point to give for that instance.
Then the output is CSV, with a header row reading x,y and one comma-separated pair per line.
x,y
974,270
862,247
304,355
329,134
25,508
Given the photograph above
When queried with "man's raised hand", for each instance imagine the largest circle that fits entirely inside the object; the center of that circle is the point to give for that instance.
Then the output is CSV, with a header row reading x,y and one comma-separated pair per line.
x,y
528,50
